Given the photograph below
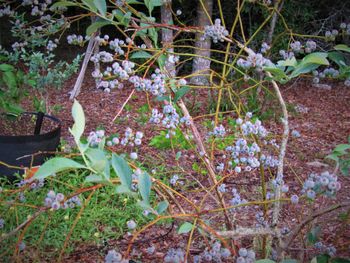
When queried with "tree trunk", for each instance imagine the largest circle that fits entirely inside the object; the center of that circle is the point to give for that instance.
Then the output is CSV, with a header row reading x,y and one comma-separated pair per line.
x,y
201,65
167,36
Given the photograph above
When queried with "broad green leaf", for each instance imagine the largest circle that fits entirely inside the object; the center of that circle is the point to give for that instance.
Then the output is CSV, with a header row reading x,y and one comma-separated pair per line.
x,y
144,186
290,261
318,58
96,26
122,189
150,4
277,73
62,4
122,169
313,235
145,205
101,6
342,148
98,159
91,5
337,57
94,178
6,67
303,69
340,260
140,54
162,206
185,228
342,47
322,258
79,121
55,165
181,92
333,157
126,19
290,62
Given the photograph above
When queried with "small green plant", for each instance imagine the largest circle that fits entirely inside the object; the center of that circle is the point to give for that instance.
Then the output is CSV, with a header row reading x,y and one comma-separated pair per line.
x,y
341,155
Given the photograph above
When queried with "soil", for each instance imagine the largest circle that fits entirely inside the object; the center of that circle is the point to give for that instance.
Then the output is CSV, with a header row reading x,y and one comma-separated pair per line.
x,y
322,117
24,124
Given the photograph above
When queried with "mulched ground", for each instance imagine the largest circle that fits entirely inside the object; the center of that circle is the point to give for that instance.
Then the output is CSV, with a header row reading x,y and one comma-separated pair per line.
x,y
322,117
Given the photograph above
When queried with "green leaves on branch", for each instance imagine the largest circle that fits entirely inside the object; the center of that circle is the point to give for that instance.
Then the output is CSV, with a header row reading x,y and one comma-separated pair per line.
x,y
295,68
79,121
55,165
122,170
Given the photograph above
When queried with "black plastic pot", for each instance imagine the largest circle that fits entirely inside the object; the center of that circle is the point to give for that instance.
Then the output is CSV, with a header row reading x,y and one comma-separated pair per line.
x,y
14,147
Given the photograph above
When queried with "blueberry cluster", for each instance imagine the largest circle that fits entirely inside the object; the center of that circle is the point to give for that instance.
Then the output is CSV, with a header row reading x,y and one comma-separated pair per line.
x,y
236,200
155,85
215,254
51,45
326,73
102,41
250,128
102,56
33,184
244,155
131,224
53,200
347,82
174,179
216,32
286,54
295,134
322,248
260,220
218,131
6,11
175,256
115,45
254,61
74,39
222,188
294,199
345,28
308,47
265,48
220,167
245,256
95,137
324,183
130,138
114,257
169,119
331,35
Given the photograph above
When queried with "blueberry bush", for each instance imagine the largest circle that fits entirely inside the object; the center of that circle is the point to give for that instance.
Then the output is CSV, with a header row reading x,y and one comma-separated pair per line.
x,y
106,182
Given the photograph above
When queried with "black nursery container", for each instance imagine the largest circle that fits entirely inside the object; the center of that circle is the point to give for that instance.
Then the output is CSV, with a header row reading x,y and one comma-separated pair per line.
x,y
13,147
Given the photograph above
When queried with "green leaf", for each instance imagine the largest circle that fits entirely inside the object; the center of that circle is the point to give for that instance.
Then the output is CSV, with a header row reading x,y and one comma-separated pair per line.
x,y
290,261
144,186
122,189
90,4
96,26
313,235
122,169
62,4
265,261
277,74
185,228
322,258
55,165
145,205
342,148
101,6
181,92
79,121
162,206
342,47
98,159
140,54
150,4
337,57
310,63
340,260
94,178
290,62
6,67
